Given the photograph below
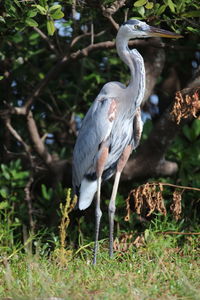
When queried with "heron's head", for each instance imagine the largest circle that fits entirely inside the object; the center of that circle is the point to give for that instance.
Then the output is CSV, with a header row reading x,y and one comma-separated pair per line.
x,y
138,29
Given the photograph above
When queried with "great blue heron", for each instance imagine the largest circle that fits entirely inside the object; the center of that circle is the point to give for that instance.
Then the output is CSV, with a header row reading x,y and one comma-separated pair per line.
x,y
112,127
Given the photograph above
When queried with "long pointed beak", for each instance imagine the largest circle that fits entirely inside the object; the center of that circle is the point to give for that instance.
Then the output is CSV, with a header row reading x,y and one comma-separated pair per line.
x,y
157,32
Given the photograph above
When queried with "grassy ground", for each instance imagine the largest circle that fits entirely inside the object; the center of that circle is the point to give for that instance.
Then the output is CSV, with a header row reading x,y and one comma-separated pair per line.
x,y
163,267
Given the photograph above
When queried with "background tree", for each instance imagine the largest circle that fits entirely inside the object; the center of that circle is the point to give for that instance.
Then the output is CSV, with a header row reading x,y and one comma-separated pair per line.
x,y
54,58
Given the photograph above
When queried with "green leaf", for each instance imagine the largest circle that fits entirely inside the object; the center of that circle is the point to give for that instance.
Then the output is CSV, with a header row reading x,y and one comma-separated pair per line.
x,y
171,5
1,77
140,3
19,175
31,22
149,5
141,11
5,172
33,36
4,204
50,27
41,9
32,13
58,14
11,10
53,8
114,61
3,193
187,132
196,128
161,10
17,3
43,3
46,193
193,13
2,20
195,30
17,38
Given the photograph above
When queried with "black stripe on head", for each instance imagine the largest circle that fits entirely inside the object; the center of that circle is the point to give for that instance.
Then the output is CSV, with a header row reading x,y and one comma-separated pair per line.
x,y
131,22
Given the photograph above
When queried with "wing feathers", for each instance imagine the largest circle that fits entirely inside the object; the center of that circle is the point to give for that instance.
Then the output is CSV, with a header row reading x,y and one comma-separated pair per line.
x,y
96,128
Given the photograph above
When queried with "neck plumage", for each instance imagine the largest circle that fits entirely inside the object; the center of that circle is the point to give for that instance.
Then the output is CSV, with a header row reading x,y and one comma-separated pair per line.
x,y
135,62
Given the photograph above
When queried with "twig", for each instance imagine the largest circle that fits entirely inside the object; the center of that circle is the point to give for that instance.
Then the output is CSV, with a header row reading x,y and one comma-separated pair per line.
x,y
178,233
92,33
74,9
112,21
16,135
77,38
175,186
126,14
46,39
111,10
28,199
37,140
27,188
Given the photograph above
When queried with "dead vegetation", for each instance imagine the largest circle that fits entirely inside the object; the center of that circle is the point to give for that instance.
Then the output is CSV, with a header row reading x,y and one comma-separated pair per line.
x,y
186,105
146,199
149,196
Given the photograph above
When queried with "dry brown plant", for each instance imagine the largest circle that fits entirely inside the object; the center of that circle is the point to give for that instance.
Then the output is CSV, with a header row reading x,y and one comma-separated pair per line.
x,y
186,105
149,196
176,207
126,241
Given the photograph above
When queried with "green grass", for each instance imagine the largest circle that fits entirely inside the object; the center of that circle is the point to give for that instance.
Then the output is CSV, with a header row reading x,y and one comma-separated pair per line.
x,y
163,267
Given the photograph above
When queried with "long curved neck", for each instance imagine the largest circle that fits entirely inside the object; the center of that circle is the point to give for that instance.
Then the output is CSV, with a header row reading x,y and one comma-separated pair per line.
x,y
134,61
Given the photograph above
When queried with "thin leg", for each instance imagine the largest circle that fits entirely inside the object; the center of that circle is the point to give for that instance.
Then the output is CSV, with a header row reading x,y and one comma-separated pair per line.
x,y
98,215
111,211
103,154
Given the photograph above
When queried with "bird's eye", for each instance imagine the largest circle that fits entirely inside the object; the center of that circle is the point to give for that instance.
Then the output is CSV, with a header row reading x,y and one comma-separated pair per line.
x,y
136,27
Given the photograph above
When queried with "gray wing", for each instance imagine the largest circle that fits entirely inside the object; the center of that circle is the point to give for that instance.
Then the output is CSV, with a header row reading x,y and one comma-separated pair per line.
x,y
137,128
95,129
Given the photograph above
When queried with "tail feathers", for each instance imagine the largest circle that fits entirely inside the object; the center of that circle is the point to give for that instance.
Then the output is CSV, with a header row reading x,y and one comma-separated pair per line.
x,y
87,192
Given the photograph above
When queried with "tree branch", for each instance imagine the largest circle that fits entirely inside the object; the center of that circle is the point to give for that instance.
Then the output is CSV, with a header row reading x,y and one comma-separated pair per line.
x,y
27,189
77,38
79,54
37,140
47,40
16,135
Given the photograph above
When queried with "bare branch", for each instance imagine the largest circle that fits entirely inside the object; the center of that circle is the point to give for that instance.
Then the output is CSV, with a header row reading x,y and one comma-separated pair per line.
x,y
74,9
111,10
46,39
77,38
92,33
37,140
28,199
27,189
112,21
115,6
126,14
16,135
